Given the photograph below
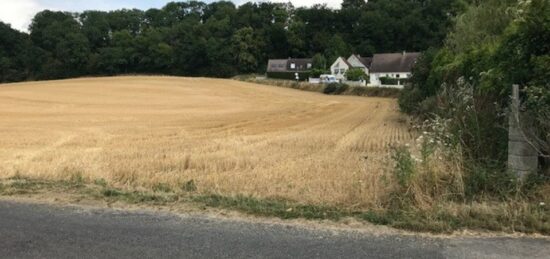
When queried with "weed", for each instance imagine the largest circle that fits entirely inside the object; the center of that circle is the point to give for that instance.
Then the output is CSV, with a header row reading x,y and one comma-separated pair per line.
x,y
108,192
404,169
162,187
189,186
276,208
101,182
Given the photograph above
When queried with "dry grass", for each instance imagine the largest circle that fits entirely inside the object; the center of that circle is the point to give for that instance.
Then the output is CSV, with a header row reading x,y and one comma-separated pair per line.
x,y
229,137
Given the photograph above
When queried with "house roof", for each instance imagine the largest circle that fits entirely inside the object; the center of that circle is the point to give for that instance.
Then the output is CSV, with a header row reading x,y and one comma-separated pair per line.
x,y
393,62
300,63
284,65
344,60
360,61
277,65
365,61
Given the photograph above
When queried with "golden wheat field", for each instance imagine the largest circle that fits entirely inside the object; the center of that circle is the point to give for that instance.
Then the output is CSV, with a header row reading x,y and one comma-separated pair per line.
x,y
229,137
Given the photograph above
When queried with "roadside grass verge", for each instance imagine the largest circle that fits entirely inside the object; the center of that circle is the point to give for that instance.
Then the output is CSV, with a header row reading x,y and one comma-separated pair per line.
x,y
498,216
342,89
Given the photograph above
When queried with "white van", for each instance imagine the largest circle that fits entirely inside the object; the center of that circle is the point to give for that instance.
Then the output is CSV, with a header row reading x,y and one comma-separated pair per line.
x,y
328,79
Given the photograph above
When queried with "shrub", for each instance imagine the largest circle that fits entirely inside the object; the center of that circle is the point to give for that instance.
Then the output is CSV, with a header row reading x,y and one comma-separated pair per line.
x,y
404,165
316,73
189,186
335,88
162,187
393,81
409,99
356,74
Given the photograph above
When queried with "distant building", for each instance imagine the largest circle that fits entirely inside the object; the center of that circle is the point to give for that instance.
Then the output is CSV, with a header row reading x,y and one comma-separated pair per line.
x,y
360,62
339,68
392,69
342,65
384,70
287,68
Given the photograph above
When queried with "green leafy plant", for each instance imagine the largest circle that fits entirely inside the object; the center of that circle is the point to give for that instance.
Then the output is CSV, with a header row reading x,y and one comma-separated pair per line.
x,y
356,74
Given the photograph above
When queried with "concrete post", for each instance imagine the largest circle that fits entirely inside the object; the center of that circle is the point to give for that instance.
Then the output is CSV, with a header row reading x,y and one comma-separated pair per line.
x,y
522,156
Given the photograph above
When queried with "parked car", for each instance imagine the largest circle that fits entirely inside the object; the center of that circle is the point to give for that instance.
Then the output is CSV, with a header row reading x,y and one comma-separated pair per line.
x,y
328,79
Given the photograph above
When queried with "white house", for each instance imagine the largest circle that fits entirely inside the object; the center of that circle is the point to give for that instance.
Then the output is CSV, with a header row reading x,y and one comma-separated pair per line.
x,y
394,67
339,68
356,61
342,65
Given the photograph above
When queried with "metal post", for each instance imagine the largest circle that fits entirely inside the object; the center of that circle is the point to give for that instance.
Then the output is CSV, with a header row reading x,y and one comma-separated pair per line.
x,y
522,157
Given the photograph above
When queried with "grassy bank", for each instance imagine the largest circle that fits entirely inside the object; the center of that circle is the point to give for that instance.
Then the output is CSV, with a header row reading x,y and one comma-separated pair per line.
x,y
340,89
498,216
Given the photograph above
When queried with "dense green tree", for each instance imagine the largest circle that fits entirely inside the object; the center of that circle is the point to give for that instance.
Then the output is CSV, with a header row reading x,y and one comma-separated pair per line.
x,y
126,19
246,49
218,38
15,48
320,62
66,48
337,47
95,26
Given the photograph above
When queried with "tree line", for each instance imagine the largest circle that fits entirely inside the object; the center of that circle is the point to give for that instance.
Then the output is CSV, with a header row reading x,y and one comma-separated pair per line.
x,y
218,39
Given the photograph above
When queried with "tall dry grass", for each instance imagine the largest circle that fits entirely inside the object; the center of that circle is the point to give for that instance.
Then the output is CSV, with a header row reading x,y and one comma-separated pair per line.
x,y
228,137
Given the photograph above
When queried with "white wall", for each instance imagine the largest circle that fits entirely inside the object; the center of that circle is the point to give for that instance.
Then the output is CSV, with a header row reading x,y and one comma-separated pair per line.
x,y
375,78
357,63
339,69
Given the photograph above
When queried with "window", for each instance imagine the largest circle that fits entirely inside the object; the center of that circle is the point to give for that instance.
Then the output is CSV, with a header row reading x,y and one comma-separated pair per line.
x,y
397,75
342,71
335,71
292,66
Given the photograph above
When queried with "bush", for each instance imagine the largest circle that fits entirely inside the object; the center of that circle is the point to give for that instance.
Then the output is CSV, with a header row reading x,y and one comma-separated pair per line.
x,y
393,81
356,74
316,73
404,165
335,88
374,91
409,99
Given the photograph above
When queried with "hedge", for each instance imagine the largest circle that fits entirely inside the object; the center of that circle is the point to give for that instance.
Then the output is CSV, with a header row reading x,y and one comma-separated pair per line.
x,y
288,75
393,81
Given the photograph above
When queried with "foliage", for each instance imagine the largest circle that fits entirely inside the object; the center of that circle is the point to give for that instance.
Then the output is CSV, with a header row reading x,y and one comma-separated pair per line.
x,y
493,45
335,88
319,62
316,73
356,74
246,49
405,165
215,39
15,47
392,81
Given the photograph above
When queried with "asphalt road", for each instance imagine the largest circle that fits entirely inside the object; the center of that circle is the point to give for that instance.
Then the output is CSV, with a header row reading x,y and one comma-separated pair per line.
x,y
45,231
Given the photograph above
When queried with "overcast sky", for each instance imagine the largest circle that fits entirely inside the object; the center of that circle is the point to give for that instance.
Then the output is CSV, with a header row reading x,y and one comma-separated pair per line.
x,y
19,13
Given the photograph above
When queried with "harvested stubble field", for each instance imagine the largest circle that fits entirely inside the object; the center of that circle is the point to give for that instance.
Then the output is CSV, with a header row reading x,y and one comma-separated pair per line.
x,y
229,137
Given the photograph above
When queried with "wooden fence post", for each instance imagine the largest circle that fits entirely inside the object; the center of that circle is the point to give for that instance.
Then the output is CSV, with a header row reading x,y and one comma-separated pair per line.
x,y
522,156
